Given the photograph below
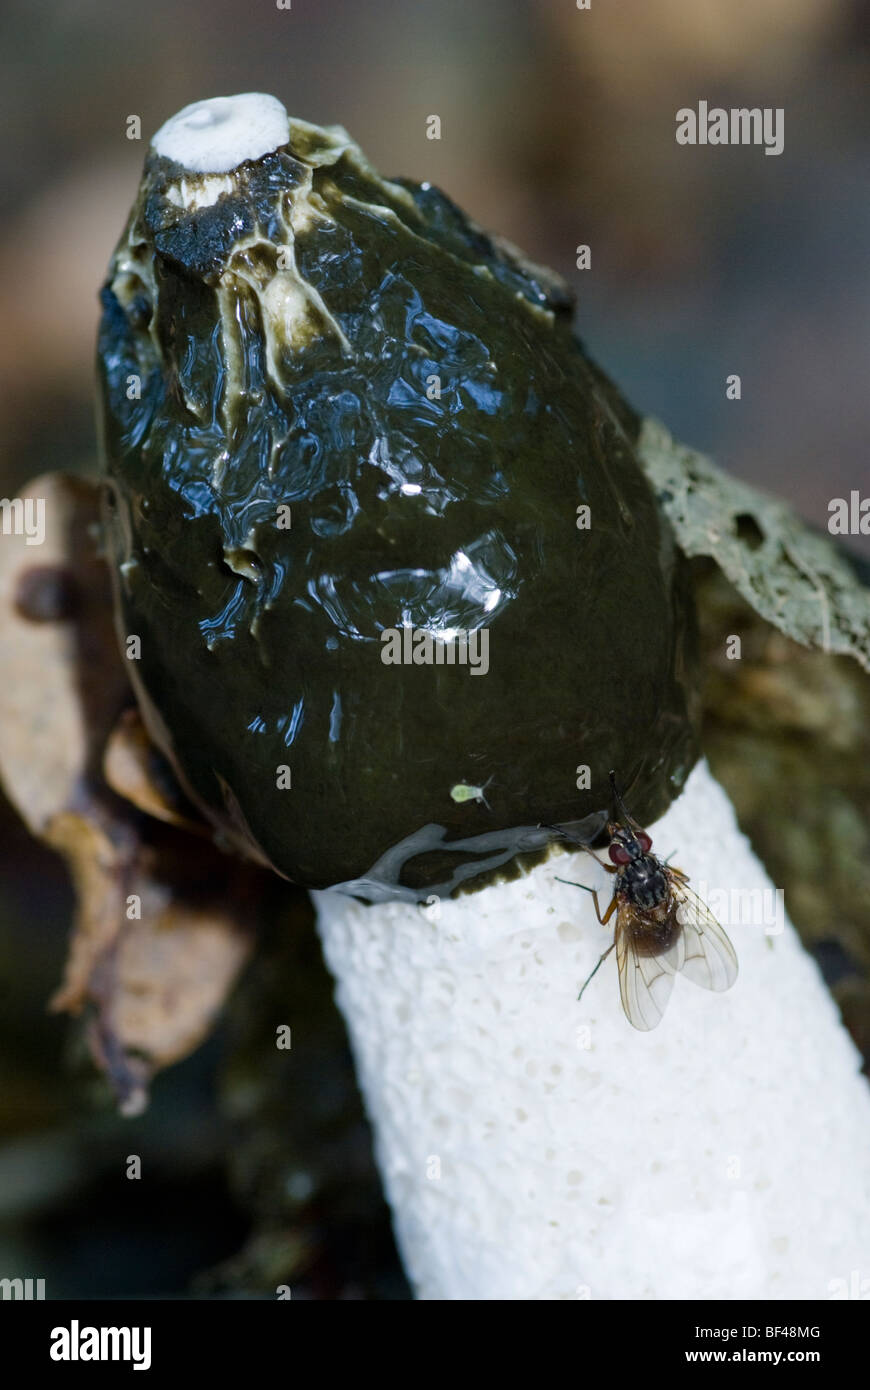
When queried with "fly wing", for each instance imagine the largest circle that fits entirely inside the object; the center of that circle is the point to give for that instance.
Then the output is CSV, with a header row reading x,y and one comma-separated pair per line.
x,y
645,982
675,955
710,959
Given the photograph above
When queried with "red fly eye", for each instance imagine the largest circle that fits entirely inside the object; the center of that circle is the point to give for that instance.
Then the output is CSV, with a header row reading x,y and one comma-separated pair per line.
x,y
619,854
644,841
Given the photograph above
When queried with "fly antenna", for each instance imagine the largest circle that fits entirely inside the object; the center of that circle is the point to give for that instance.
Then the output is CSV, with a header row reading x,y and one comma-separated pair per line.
x,y
627,819
617,798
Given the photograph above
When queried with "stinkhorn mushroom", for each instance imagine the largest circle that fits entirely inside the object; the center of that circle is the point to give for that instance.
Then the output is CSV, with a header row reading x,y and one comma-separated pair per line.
x,y
397,596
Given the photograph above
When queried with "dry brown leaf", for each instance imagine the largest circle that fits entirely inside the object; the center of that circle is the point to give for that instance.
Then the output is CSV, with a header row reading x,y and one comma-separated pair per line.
x,y
99,866
164,921
63,683
137,771
163,981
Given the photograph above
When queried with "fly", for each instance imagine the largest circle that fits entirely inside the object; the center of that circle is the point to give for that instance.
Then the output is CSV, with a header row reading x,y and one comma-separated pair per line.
x,y
662,926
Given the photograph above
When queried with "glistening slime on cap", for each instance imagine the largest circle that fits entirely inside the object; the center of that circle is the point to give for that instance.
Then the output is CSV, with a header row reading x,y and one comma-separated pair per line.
x,y
345,526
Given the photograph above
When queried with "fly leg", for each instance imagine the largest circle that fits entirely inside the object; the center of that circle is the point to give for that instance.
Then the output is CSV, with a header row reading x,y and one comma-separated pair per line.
x,y
603,920
585,886
601,959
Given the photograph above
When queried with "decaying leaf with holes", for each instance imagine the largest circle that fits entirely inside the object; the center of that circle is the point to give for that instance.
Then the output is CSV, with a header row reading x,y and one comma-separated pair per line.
x,y
794,578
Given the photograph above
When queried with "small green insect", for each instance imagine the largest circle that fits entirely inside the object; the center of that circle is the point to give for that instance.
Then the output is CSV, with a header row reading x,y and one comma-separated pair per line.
x,y
463,791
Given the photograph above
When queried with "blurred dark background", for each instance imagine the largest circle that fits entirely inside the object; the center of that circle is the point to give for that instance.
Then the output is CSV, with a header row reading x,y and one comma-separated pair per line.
x,y
557,129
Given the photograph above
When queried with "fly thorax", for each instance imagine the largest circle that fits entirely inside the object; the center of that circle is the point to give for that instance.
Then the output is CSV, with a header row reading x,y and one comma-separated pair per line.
x,y
645,882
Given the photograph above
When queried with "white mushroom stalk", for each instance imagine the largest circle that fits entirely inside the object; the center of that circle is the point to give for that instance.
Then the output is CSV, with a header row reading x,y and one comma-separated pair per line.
x,y
534,1147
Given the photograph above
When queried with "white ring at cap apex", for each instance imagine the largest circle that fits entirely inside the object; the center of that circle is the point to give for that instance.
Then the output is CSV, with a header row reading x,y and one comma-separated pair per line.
x,y
217,135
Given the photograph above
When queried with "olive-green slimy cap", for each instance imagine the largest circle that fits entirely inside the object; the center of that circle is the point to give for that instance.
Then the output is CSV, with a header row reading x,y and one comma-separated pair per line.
x,y
377,521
